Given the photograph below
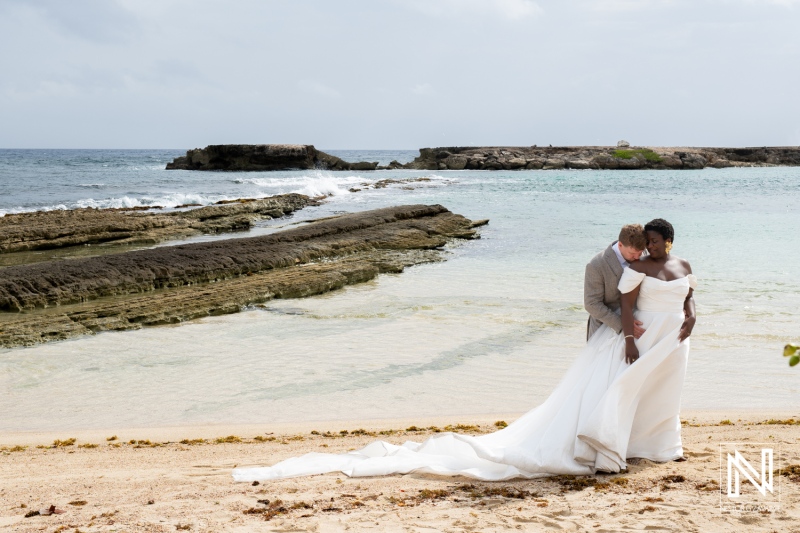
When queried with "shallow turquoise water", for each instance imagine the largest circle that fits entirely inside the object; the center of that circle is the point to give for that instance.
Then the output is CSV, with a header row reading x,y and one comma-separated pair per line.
x,y
489,331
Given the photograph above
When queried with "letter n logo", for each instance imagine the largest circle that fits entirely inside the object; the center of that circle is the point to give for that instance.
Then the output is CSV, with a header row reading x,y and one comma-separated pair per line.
x,y
737,465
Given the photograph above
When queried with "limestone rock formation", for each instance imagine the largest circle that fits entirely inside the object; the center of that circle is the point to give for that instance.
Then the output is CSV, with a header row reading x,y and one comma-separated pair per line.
x,y
177,283
598,157
293,156
44,230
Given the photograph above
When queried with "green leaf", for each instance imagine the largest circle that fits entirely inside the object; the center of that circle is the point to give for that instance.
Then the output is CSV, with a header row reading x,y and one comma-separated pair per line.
x,y
794,360
790,349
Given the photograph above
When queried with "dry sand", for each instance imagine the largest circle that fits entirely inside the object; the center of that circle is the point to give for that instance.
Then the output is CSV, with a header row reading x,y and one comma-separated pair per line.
x,y
158,483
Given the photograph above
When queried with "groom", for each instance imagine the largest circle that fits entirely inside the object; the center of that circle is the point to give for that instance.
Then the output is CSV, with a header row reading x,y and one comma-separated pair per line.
x,y
600,293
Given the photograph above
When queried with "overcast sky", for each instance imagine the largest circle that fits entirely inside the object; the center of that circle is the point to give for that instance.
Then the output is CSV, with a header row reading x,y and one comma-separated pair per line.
x,y
400,74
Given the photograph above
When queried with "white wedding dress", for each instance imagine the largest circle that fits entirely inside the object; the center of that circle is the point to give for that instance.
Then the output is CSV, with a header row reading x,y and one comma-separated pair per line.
x,y
603,412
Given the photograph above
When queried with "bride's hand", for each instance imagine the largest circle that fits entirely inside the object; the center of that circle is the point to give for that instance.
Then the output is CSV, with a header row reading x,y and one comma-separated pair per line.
x,y
686,328
631,351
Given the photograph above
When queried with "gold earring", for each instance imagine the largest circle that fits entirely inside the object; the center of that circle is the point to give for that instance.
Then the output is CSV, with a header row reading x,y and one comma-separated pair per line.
x,y
668,247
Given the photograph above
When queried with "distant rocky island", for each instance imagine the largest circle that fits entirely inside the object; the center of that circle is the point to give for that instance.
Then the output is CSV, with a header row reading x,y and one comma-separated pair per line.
x,y
265,157
261,157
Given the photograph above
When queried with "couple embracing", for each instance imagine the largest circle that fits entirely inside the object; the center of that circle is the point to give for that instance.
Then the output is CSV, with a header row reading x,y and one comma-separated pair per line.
x,y
619,399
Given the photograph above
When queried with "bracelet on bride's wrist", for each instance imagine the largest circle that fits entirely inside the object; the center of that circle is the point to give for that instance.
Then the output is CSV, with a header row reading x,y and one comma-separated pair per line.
x,y
629,336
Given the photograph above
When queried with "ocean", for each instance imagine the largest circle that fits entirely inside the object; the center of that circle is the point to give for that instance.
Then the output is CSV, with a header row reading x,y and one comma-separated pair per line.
x,y
490,330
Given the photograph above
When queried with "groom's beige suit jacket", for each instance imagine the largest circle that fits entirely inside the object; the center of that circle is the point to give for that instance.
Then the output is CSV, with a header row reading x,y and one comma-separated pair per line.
x,y
600,293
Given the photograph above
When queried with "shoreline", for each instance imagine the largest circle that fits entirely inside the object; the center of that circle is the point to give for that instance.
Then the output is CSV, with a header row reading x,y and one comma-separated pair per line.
x,y
153,486
214,431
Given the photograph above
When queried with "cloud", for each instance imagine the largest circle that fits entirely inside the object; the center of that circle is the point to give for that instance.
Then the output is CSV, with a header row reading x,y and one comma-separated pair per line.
x,y
629,5
178,70
506,9
100,21
422,88
517,9
784,3
318,89
255,66
762,3
644,5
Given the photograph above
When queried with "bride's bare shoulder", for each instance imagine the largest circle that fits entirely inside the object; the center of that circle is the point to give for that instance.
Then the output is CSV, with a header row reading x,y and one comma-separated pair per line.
x,y
684,263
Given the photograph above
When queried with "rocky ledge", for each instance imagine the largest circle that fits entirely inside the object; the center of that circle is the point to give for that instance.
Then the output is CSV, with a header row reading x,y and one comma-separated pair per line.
x,y
255,157
600,157
173,284
50,230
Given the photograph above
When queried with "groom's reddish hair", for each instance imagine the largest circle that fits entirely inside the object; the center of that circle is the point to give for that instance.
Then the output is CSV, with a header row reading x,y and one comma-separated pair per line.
x,y
632,235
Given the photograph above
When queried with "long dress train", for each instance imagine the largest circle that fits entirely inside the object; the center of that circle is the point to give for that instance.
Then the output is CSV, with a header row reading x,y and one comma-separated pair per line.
x,y
601,413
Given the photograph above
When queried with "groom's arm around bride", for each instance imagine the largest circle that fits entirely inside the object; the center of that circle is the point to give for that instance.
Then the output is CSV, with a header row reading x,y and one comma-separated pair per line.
x,y
600,293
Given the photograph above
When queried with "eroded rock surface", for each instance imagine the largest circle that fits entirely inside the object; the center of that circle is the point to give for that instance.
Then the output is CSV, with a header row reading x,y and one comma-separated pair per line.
x,y
178,283
599,157
44,230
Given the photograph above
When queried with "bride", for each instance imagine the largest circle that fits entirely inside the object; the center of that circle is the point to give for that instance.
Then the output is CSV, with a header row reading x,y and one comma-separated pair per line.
x,y
619,399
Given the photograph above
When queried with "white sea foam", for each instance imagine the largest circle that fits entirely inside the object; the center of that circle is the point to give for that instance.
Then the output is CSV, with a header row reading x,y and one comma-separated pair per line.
x,y
321,183
125,201
16,210
166,201
322,186
318,183
314,184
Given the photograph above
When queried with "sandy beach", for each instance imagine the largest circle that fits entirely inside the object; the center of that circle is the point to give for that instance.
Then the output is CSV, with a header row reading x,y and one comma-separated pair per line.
x,y
174,479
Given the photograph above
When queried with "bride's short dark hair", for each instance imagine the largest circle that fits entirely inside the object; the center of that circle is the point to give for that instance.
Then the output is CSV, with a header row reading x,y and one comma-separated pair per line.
x,y
633,235
662,227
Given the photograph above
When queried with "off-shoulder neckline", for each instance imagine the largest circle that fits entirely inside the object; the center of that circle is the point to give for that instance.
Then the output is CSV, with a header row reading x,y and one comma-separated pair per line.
x,y
667,281
658,279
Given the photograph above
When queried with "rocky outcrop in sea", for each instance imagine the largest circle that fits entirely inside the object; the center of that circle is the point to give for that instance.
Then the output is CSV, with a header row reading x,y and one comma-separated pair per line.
x,y
172,284
600,157
261,157
286,156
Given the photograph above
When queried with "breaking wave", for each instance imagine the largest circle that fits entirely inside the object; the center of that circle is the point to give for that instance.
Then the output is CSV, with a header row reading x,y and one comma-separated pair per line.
x,y
318,183
166,202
